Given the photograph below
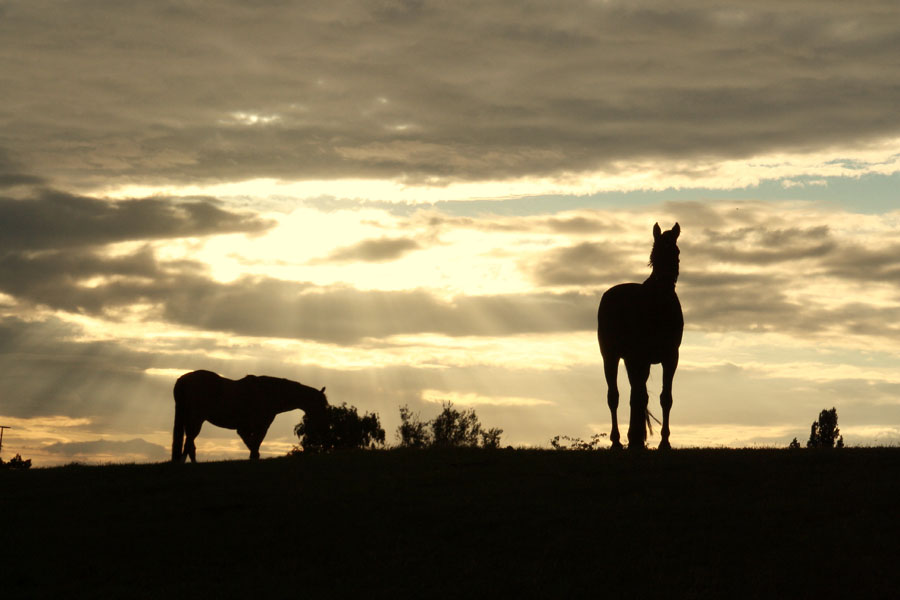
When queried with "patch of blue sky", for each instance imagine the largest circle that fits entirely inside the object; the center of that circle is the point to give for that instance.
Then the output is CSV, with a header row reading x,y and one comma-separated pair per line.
x,y
866,194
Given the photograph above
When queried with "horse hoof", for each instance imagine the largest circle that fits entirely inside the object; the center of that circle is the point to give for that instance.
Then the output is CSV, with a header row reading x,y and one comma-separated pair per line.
x,y
664,445
616,446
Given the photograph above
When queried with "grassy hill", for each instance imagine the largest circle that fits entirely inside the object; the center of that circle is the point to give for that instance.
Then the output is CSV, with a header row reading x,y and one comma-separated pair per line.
x,y
688,523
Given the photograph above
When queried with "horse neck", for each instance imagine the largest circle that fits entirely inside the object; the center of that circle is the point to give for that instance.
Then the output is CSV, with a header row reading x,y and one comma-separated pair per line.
x,y
293,398
661,281
278,398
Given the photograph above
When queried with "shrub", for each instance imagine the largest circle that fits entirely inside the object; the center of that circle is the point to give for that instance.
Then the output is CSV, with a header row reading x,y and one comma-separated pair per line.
x,y
490,439
824,432
343,429
454,429
412,432
16,462
564,442
794,445
450,429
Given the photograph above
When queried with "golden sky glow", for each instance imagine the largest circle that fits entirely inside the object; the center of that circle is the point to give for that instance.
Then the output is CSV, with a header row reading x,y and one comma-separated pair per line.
x,y
423,203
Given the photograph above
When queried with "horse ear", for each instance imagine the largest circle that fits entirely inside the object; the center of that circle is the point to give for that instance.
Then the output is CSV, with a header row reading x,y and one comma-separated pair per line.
x,y
676,230
322,390
656,231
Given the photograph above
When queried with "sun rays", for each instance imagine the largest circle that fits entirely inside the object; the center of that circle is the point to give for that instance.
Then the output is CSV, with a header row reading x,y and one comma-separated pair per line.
x,y
492,311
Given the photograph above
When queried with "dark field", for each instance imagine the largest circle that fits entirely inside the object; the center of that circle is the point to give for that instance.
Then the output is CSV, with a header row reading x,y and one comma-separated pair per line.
x,y
688,523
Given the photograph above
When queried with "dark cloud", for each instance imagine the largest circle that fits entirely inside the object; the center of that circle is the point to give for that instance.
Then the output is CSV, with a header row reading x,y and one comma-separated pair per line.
x,y
8,180
859,263
425,91
584,264
135,449
344,315
377,250
58,279
11,174
53,219
762,246
262,306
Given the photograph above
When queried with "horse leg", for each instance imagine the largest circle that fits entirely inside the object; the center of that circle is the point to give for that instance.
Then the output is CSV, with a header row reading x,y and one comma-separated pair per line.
x,y
611,371
253,438
191,431
665,398
249,437
638,372
258,436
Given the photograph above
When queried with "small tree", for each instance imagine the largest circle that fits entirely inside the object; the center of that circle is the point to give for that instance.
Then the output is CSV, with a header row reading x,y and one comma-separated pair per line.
x,y
343,429
450,429
564,442
824,433
16,462
490,439
794,445
412,432
453,429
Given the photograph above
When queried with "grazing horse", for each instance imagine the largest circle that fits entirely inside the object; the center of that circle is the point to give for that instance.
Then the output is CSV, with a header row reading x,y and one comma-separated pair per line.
x,y
642,323
248,405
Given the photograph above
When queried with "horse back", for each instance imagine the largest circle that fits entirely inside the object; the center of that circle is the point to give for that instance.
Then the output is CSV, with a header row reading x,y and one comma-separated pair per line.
x,y
207,396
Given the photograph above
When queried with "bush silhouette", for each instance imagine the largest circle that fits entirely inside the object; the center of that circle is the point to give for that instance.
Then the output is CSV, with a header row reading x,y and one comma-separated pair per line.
x,y
824,433
450,429
454,429
564,442
412,432
16,462
343,429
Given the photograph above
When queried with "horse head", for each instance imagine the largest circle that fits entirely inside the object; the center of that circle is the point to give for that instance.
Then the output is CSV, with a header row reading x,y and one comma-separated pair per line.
x,y
315,405
664,256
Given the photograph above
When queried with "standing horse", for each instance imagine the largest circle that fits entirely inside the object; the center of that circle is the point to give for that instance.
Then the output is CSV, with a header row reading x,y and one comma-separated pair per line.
x,y
642,323
248,405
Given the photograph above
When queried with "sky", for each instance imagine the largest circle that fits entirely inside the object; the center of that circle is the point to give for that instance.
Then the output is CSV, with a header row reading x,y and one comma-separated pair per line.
x,y
420,202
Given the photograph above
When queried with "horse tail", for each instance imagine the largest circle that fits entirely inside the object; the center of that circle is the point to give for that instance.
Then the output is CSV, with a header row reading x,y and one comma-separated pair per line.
x,y
178,430
648,416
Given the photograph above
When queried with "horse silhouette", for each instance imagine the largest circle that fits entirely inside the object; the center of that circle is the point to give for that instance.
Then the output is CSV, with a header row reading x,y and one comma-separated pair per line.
x,y
248,405
642,323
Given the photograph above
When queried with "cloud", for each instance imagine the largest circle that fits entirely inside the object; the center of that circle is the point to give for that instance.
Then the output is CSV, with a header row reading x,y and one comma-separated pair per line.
x,y
764,246
135,450
59,279
584,264
376,250
55,219
753,267
742,270
344,315
436,91
181,293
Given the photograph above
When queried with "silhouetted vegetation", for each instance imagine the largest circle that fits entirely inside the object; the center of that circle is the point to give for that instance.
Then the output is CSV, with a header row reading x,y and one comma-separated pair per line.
x,y
564,442
450,429
412,432
342,429
794,445
16,462
824,433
